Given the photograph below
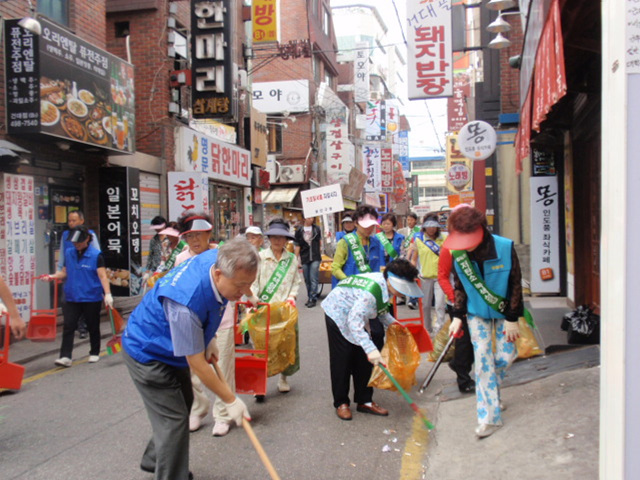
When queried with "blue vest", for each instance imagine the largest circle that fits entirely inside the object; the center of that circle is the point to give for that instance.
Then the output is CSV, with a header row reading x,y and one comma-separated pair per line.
x,y
496,277
83,283
398,238
375,255
147,337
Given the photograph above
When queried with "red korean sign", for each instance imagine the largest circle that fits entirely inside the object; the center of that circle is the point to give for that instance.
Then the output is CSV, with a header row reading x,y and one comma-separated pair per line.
x,y
457,113
187,191
429,52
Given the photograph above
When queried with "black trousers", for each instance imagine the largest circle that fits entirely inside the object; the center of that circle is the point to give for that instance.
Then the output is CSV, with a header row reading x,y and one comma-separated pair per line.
x,y
463,358
72,312
347,360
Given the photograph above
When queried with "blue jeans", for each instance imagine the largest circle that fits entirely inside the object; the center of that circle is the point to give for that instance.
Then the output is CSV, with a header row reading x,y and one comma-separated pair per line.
x,y
311,273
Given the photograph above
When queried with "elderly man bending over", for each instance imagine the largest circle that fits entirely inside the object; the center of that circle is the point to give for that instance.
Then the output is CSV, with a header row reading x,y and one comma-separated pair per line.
x,y
173,330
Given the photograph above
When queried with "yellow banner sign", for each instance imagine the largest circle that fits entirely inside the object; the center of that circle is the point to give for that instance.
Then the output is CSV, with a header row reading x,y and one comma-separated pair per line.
x,y
265,18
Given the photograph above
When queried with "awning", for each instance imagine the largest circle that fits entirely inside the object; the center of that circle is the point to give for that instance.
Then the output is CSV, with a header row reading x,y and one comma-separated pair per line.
x,y
523,137
549,77
279,195
11,149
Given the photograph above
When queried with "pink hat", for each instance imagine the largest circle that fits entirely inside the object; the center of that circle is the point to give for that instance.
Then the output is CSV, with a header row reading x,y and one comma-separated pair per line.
x,y
367,221
464,241
172,232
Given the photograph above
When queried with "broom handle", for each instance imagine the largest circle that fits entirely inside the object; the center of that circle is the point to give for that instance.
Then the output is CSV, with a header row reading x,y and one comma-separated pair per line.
x,y
261,453
252,436
113,326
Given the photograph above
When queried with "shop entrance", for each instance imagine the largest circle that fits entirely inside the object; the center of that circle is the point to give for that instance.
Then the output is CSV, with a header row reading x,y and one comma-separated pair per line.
x,y
226,208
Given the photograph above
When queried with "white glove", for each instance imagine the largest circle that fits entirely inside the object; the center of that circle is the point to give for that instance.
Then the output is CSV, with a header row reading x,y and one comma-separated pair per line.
x,y
511,330
108,300
237,410
212,351
3,309
291,301
456,324
374,357
146,277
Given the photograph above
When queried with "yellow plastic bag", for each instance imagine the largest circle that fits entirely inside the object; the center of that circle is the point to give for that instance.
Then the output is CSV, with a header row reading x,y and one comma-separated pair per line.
x,y
527,344
282,334
401,356
442,337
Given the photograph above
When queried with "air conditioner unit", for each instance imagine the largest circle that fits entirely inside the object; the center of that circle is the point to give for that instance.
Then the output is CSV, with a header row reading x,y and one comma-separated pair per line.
x,y
273,167
291,174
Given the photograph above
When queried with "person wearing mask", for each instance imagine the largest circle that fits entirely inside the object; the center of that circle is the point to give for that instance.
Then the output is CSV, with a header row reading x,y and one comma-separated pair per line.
x,y
390,240
278,280
361,252
426,253
349,308
75,218
86,280
488,290
308,245
8,305
158,224
348,226
170,332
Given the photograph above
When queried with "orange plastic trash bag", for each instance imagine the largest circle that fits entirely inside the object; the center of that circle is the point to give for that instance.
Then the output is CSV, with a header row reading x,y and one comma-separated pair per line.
x,y
439,342
282,335
401,356
526,344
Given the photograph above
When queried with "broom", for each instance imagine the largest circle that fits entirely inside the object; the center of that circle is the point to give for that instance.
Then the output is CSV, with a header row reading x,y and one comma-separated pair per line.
x,y
114,345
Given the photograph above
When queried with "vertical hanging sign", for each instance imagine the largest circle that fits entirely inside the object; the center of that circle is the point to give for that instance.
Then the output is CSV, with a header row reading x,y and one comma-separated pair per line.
x,y
429,52
371,167
265,20
545,240
211,62
361,72
386,170
17,238
120,237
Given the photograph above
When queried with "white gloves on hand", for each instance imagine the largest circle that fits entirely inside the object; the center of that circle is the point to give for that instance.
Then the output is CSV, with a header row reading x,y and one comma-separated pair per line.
x,y
291,301
108,300
511,330
456,324
374,357
3,309
212,351
237,410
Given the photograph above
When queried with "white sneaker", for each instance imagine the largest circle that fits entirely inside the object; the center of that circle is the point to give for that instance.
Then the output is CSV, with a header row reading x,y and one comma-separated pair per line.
x,y
503,407
63,362
94,358
283,385
220,429
194,422
486,429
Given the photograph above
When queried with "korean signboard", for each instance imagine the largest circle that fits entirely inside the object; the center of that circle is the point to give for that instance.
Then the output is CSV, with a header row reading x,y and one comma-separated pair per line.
x,y
259,138
371,167
211,59
60,85
196,152
429,52
188,191
457,113
120,228
376,120
459,168
338,155
265,19
401,149
386,170
278,97
545,241
322,201
477,140
17,238
361,72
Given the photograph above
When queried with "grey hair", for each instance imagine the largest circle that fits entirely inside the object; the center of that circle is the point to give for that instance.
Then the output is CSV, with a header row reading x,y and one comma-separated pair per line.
x,y
237,254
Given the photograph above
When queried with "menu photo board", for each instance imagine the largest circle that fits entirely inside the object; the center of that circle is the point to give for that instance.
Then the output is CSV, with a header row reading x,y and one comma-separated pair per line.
x,y
60,85
120,228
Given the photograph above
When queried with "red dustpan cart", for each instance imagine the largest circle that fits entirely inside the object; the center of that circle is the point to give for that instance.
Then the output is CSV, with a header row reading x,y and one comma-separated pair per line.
x,y
251,364
114,345
416,326
10,373
42,325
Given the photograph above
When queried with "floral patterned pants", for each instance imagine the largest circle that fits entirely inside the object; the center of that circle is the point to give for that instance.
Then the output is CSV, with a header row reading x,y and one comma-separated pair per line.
x,y
490,368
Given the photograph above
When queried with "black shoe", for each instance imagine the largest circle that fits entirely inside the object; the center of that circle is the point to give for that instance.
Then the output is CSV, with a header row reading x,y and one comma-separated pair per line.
x,y
83,334
259,398
468,388
153,470
311,304
307,304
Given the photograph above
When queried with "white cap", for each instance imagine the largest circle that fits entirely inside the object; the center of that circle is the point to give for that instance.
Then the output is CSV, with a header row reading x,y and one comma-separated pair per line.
x,y
253,229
